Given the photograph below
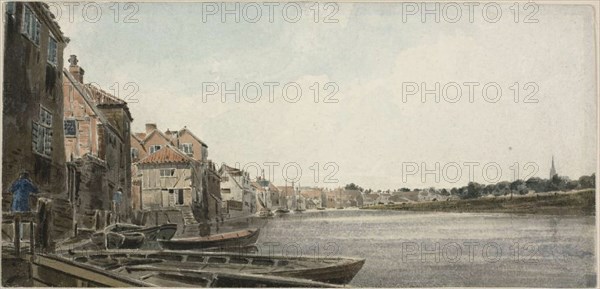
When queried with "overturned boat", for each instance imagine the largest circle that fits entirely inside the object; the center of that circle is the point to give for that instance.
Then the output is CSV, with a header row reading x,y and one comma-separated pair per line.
x,y
226,240
335,270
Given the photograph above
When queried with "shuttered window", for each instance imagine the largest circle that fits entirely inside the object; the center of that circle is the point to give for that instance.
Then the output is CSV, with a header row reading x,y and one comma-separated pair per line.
x,y
41,133
31,26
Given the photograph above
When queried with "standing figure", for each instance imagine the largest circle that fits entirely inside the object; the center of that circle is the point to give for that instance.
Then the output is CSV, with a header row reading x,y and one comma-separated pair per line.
x,y
117,196
21,189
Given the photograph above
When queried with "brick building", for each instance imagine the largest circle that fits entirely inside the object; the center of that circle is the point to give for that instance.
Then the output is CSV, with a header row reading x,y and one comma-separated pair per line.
x,y
97,146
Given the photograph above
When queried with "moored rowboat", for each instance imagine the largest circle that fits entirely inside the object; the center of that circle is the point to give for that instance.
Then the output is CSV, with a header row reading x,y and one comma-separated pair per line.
x,y
63,271
225,240
334,270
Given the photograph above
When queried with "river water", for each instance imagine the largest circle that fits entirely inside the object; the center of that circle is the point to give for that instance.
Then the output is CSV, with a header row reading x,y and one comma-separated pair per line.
x,y
408,249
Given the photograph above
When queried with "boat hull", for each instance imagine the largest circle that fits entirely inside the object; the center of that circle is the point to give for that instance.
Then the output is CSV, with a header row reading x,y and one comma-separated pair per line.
x,y
59,271
162,232
332,270
202,243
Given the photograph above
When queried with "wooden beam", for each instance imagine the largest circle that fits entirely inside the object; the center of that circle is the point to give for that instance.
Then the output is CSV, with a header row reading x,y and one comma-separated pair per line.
x,y
31,238
17,235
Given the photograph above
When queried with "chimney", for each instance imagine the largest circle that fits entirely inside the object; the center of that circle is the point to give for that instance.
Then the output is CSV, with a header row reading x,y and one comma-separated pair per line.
x,y
150,127
74,69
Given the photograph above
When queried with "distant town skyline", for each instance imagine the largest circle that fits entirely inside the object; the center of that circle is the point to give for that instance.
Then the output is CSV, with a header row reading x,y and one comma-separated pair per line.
x,y
379,128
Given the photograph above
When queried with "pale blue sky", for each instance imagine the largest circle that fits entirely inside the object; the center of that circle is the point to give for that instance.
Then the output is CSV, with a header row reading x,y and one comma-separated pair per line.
x,y
370,132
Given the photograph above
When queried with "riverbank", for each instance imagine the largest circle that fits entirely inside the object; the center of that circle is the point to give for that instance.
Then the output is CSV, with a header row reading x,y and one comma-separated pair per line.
x,y
581,203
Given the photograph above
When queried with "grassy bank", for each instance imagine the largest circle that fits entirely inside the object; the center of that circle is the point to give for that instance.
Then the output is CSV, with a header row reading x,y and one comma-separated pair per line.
x,y
577,203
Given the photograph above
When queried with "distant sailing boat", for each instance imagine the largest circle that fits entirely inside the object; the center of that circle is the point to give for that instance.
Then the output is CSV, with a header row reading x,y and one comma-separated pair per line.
x,y
295,200
283,209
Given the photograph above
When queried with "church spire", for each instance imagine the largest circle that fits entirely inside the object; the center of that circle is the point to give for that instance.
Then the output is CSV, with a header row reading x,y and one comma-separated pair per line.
x,y
552,169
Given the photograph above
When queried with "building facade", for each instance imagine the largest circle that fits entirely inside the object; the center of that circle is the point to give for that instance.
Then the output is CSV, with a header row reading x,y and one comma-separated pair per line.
x,y
236,192
97,132
169,178
206,193
33,138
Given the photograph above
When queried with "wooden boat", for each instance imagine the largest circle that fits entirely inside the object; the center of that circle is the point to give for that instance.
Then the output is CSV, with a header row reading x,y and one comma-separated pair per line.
x,y
282,211
265,214
333,270
113,240
225,240
162,232
88,271
320,208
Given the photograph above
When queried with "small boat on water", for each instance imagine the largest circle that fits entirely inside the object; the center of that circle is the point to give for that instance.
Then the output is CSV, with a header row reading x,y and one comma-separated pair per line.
x,y
320,208
282,211
135,263
265,214
225,240
109,269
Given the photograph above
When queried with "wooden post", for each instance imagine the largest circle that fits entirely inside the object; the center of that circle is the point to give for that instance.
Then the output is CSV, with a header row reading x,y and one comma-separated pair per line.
x,y
31,238
156,218
17,236
44,225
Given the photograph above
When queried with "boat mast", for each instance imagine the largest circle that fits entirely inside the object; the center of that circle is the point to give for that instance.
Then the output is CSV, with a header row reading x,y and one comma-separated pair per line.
x,y
294,200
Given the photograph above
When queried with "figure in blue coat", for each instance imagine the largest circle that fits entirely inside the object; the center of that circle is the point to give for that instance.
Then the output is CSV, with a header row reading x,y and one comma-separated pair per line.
x,y
21,189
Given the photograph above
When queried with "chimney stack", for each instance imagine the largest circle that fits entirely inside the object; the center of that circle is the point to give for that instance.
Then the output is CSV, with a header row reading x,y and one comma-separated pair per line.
x,y
150,127
74,69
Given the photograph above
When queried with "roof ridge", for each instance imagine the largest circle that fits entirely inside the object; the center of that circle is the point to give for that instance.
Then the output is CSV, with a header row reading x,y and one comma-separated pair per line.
x,y
104,93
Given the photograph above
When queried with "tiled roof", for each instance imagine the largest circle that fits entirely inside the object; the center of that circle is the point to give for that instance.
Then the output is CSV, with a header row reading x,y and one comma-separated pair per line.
x,y
166,155
186,130
102,97
232,171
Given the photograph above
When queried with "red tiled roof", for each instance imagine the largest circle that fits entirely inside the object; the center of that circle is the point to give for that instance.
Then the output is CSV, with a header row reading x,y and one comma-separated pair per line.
x,y
140,135
166,155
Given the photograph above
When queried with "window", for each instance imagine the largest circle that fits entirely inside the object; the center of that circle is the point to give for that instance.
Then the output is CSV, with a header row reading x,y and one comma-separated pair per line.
x,y
154,148
42,133
70,128
225,191
134,153
167,173
52,56
10,8
186,148
224,179
31,26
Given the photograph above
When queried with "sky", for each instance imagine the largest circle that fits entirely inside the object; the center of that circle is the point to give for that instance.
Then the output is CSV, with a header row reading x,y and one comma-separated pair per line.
x,y
369,63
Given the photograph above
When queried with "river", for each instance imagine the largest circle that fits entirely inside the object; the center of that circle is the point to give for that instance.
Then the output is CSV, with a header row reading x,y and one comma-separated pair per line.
x,y
407,249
